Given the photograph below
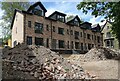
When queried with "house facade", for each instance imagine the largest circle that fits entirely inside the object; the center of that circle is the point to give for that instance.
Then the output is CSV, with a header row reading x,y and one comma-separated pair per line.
x,y
109,39
32,27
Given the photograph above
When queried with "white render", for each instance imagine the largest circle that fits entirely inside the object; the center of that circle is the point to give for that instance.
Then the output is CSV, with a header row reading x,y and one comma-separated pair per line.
x,y
18,29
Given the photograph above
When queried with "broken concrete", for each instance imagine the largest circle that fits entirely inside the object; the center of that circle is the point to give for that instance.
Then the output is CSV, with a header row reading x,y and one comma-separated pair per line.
x,y
37,62
101,53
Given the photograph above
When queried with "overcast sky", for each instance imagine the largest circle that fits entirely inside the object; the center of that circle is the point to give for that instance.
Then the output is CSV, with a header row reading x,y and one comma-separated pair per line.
x,y
68,7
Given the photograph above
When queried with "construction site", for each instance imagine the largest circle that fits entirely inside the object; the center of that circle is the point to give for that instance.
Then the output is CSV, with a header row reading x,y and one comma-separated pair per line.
x,y
24,62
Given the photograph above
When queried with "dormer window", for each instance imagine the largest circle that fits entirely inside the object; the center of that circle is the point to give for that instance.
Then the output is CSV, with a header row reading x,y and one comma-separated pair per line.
x,y
57,16
76,22
38,12
60,18
37,9
86,25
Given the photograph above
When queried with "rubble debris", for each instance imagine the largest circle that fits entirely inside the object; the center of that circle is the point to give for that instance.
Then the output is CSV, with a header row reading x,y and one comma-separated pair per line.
x,y
101,53
38,62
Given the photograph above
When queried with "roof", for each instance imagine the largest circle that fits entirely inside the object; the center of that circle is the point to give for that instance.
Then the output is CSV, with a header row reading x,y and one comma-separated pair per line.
x,y
95,25
103,26
35,4
56,12
20,11
14,16
72,18
86,23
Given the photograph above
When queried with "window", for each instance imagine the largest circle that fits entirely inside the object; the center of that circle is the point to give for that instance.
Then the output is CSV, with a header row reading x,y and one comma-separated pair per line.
x,y
108,27
61,44
84,35
53,28
71,32
88,36
29,40
61,18
98,39
38,28
67,31
47,43
81,46
76,45
16,30
38,12
112,44
15,43
81,34
92,45
76,22
107,43
72,45
47,27
29,24
108,34
68,44
38,41
89,46
85,46
92,37
61,31
76,35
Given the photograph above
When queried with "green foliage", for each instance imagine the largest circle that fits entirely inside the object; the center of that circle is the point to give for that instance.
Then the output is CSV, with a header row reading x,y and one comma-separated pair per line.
x,y
110,10
98,8
69,17
8,8
6,32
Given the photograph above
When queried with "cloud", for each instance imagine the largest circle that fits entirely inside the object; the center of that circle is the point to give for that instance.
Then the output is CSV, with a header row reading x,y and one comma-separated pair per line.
x,y
58,0
69,8
49,12
97,20
63,7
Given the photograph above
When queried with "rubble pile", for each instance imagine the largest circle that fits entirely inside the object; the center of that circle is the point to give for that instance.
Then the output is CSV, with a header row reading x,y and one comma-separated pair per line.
x,y
101,53
37,62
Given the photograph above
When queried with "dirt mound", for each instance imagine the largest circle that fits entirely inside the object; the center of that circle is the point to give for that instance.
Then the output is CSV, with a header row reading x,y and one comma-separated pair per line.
x,y
37,62
96,54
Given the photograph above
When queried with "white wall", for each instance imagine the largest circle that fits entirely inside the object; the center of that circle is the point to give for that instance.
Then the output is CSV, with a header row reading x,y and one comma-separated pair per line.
x,y
18,28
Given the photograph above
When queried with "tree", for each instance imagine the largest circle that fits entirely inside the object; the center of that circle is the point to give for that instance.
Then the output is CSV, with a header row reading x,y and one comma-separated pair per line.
x,y
8,8
110,11
69,17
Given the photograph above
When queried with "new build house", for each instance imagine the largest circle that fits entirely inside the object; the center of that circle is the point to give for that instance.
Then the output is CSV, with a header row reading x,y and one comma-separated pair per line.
x,y
32,27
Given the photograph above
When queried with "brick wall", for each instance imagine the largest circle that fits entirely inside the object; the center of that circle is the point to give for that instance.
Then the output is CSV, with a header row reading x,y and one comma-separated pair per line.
x,y
54,35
